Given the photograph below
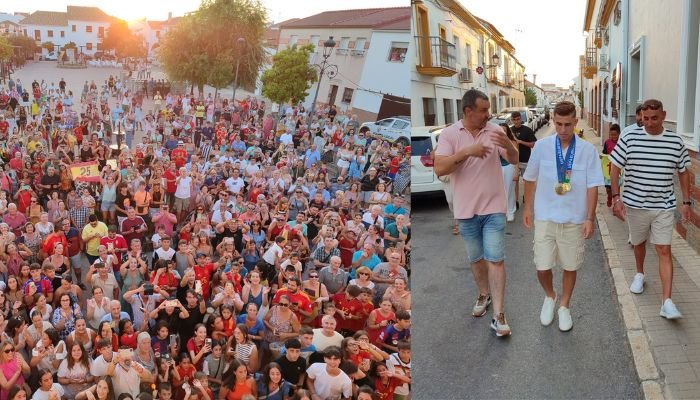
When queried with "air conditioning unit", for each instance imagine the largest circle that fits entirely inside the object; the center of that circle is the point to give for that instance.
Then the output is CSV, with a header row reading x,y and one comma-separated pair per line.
x,y
465,75
359,52
604,62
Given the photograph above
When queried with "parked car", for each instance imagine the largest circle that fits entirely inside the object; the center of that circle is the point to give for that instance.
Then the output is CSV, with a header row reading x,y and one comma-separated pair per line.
x,y
538,117
51,56
394,129
423,143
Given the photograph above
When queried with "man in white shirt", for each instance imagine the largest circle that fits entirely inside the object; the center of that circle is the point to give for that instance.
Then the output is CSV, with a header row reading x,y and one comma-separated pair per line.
x,y
327,336
562,177
235,183
326,380
107,356
286,138
183,192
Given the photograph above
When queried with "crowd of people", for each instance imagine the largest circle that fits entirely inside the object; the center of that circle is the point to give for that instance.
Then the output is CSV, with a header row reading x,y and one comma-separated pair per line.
x,y
223,252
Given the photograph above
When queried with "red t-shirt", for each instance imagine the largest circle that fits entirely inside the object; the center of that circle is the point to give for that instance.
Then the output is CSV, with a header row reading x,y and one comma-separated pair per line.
x,y
203,274
53,239
193,347
301,298
128,340
170,181
117,243
179,156
350,306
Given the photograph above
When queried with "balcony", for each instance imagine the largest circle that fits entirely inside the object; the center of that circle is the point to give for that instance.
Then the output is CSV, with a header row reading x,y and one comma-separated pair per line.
x,y
436,56
590,66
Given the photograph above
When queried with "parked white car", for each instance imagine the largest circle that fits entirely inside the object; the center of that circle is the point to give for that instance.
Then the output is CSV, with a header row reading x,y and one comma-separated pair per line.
x,y
394,129
423,143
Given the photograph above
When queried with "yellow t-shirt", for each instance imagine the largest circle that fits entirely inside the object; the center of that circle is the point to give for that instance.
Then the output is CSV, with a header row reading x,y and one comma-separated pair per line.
x,y
92,244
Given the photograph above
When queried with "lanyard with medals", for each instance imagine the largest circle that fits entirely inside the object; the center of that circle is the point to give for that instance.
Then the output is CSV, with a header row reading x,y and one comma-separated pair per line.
x,y
564,166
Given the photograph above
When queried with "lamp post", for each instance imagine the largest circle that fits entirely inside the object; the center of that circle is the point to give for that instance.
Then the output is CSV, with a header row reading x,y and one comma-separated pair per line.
x,y
324,68
241,43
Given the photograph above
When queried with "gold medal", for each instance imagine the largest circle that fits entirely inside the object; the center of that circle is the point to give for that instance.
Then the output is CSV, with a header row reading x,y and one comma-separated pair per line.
x,y
566,187
559,189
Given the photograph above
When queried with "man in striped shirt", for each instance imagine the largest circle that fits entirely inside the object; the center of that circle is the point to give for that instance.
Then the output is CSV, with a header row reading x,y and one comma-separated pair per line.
x,y
649,156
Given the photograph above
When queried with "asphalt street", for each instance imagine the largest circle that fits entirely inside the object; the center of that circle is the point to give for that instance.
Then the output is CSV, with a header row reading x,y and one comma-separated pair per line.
x,y
457,356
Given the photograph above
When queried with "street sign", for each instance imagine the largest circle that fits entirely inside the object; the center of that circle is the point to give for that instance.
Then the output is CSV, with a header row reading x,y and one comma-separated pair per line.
x,y
480,70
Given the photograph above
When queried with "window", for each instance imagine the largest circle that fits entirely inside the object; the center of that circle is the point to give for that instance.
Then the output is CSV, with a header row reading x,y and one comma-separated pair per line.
x,y
101,32
400,124
88,28
428,111
314,40
448,110
468,55
360,46
293,40
63,34
73,28
343,47
459,108
37,34
88,46
49,33
455,41
385,122
347,95
398,51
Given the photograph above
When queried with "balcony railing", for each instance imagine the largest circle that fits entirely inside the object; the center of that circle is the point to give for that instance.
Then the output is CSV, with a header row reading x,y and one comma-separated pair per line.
x,y
436,56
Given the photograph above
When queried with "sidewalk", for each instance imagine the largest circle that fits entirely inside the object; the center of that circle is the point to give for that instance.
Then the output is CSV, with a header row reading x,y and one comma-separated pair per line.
x,y
666,353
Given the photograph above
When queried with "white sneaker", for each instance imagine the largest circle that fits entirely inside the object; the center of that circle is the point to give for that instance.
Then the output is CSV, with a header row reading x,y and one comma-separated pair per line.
x,y
669,310
565,322
547,313
510,218
637,285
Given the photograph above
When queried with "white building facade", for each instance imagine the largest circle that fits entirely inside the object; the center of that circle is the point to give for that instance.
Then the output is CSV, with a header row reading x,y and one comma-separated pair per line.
x,y
454,52
84,26
370,54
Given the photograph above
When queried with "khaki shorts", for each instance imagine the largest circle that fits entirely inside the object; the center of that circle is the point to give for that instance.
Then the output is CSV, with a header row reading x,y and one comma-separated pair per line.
x,y
656,225
181,204
558,244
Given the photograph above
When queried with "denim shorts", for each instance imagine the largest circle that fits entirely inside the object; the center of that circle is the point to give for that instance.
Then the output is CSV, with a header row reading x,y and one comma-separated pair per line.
x,y
483,237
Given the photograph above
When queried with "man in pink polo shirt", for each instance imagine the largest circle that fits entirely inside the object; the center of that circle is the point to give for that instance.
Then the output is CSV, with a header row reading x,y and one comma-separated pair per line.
x,y
470,151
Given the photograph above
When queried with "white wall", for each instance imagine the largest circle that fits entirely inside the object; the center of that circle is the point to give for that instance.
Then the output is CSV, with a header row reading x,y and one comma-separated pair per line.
x,y
81,37
380,74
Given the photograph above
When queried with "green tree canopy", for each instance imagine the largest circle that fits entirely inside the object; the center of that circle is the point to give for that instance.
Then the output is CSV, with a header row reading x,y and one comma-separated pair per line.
x,y
290,76
203,48
123,41
530,97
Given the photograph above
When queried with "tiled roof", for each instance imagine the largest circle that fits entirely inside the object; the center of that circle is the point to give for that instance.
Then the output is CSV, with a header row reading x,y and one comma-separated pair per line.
x,y
157,24
360,18
52,18
77,13
14,18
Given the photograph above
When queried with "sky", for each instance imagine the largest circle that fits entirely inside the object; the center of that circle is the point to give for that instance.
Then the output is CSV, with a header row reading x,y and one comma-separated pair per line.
x,y
278,10
547,34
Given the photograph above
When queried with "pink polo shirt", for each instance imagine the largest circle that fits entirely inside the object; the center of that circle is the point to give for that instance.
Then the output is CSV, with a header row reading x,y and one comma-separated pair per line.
x,y
477,183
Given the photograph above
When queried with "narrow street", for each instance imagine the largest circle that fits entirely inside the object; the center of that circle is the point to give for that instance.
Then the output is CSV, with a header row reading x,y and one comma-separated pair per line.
x,y
592,361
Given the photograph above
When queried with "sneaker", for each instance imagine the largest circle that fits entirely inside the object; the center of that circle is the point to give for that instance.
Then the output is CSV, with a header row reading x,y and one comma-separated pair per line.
x,y
499,324
669,310
482,303
637,285
510,218
565,322
547,313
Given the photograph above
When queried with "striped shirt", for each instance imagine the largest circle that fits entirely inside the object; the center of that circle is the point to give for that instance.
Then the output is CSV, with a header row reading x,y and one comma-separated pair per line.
x,y
649,163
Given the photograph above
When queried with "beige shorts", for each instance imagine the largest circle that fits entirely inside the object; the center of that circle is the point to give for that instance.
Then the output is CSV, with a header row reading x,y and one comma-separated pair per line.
x,y
558,244
181,204
655,225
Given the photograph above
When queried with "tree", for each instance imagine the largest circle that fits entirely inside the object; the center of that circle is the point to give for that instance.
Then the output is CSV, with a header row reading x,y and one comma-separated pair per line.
x,y
124,42
290,76
6,50
48,46
203,48
530,97
70,45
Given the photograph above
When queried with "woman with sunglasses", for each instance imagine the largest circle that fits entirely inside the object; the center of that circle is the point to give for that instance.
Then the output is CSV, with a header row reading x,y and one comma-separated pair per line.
x,y
281,324
13,368
363,278
317,293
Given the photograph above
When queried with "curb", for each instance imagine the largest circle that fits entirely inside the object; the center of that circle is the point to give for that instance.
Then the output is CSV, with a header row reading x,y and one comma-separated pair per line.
x,y
648,373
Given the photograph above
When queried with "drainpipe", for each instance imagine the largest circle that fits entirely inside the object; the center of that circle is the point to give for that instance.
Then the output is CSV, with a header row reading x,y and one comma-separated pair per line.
x,y
625,60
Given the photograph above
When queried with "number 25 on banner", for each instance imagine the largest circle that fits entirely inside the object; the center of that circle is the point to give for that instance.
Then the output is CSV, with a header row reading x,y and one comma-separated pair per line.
x,y
86,172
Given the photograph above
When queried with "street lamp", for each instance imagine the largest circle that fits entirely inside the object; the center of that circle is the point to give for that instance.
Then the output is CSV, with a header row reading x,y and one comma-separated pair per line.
x,y
330,70
495,59
241,43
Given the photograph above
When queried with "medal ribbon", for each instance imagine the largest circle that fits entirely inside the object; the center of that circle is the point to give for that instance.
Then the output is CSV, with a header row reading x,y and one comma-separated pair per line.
x,y
565,164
